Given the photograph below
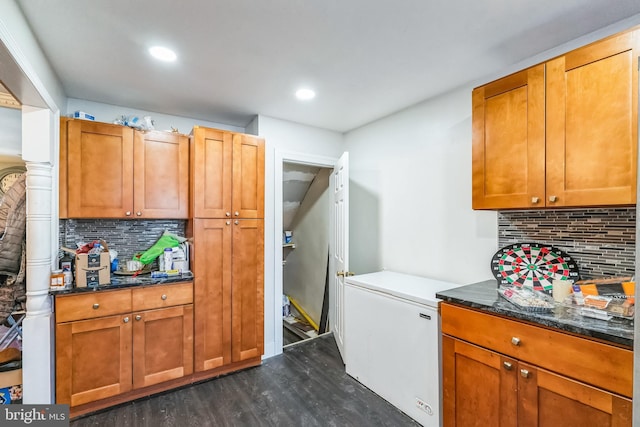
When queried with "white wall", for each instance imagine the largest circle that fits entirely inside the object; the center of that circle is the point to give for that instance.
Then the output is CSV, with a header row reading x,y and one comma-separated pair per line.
x,y
108,113
16,35
411,194
306,268
283,136
10,131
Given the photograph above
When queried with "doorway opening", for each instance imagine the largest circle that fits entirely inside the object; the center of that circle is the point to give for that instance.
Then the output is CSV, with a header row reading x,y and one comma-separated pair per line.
x,y
305,250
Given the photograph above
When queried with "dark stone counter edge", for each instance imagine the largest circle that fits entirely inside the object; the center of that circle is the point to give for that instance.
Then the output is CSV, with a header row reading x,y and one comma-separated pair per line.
x,y
122,282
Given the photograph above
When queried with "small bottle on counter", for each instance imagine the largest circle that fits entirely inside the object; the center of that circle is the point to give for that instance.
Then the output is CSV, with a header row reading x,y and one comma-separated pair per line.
x,y
168,259
57,280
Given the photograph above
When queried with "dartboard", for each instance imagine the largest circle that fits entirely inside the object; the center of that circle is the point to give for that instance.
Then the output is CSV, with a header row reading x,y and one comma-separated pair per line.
x,y
533,265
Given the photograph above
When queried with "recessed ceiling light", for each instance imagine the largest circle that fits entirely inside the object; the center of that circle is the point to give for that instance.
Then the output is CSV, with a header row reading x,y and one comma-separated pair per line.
x,y
305,94
162,53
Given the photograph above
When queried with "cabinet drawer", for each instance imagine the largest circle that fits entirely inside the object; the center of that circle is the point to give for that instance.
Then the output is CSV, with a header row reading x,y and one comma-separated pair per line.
x,y
162,296
595,363
92,305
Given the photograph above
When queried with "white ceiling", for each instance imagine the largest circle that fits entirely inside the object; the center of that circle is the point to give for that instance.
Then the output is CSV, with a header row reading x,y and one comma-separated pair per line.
x,y
237,58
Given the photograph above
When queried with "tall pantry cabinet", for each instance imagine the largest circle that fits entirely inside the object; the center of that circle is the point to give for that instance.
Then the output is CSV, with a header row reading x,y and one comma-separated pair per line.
x,y
227,194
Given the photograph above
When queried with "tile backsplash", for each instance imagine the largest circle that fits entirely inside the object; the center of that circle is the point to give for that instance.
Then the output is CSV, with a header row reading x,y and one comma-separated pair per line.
x,y
125,236
601,241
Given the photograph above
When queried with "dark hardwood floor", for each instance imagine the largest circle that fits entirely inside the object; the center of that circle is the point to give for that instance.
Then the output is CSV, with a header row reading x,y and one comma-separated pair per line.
x,y
305,386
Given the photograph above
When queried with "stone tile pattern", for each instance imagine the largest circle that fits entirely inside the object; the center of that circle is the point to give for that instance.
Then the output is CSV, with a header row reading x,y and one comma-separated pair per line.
x,y
602,241
125,236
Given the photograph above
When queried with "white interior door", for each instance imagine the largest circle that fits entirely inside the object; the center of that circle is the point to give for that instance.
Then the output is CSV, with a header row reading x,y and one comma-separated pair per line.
x,y
339,247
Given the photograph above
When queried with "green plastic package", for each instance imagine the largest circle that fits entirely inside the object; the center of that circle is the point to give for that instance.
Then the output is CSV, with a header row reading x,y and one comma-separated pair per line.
x,y
167,240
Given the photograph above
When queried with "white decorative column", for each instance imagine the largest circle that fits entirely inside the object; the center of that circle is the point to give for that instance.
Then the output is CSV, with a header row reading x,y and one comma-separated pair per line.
x,y
38,149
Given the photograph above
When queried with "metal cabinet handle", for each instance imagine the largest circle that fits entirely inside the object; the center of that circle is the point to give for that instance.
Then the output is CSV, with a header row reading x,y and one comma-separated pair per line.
x,y
345,273
515,341
126,320
138,317
236,213
507,365
553,199
535,200
236,222
139,213
228,223
163,297
96,306
128,213
524,373
227,213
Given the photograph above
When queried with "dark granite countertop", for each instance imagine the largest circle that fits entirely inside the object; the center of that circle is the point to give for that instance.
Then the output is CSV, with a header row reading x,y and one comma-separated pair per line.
x,y
121,282
484,296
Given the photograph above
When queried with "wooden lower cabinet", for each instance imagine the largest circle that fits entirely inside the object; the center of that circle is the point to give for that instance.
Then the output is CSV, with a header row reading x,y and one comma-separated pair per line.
x,y
162,345
482,387
228,262
549,399
105,357
93,359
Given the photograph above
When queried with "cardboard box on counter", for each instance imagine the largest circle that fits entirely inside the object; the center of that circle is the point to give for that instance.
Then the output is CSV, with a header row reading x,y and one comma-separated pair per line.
x,y
92,269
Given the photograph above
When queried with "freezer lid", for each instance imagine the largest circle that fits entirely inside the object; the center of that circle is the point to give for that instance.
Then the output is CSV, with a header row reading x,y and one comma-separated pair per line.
x,y
421,290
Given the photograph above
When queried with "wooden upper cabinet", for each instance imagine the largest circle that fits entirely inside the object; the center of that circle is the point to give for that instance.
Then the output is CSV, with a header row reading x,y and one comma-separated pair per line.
x,y
113,171
63,174
161,175
212,151
99,170
227,174
561,134
508,142
592,124
248,177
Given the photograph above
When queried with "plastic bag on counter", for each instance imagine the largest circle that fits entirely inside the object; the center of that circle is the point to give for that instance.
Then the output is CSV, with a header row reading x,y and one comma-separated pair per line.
x,y
167,240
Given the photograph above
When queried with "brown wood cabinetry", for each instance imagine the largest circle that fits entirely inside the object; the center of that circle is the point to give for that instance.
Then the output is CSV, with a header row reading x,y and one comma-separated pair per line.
x,y
228,247
511,377
100,355
247,290
112,171
93,359
228,263
227,174
562,133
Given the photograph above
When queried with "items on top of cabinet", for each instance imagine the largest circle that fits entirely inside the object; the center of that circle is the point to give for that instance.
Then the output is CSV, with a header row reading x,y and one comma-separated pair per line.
x,y
562,133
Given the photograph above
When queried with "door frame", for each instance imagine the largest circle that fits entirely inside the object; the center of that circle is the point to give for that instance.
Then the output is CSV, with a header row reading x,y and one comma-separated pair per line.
x,y
280,158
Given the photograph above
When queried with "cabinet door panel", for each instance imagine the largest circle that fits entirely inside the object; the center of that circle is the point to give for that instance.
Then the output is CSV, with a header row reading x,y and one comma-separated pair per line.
x,y
212,173
161,175
211,265
479,386
548,399
248,289
592,124
508,142
63,182
93,359
248,176
100,170
163,345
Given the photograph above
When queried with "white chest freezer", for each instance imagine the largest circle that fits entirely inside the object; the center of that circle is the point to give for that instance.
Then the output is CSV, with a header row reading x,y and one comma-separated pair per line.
x,y
392,340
